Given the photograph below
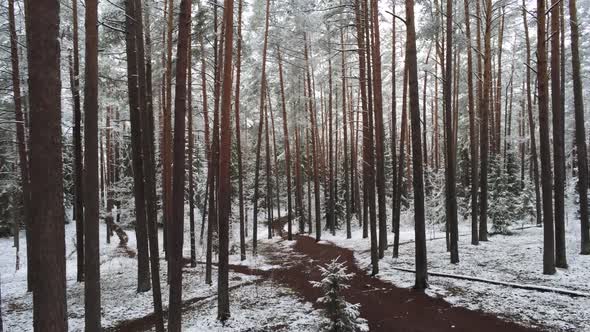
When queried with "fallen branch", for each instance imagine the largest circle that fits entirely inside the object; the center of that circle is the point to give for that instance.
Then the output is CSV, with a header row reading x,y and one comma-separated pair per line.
x,y
544,289
146,322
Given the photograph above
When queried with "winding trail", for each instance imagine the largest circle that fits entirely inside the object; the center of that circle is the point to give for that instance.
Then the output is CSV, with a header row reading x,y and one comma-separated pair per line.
x,y
384,306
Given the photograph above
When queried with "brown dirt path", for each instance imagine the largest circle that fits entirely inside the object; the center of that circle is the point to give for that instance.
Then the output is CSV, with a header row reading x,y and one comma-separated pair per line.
x,y
384,306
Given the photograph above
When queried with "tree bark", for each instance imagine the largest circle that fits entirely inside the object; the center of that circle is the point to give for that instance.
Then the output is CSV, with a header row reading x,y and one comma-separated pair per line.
x,y
47,226
224,168
418,181
77,133
136,87
238,135
485,101
287,147
558,139
451,169
176,229
546,178
580,130
531,120
91,200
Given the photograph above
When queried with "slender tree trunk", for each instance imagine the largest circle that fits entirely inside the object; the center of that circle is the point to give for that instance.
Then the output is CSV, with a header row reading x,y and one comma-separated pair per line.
x,y
546,178
368,176
269,204
484,129
168,146
47,226
580,130
176,229
299,182
136,107
191,143
91,199
472,128
314,142
77,133
558,139
451,169
287,147
421,267
498,100
400,170
224,168
238,135
260,129
345,133
379,130
149,166
531,119
394,179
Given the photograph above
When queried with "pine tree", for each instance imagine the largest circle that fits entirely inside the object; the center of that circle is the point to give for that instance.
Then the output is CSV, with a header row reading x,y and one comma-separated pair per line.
x,y
47,226
419,229
580,130
224,168
546,178
91,200
176,227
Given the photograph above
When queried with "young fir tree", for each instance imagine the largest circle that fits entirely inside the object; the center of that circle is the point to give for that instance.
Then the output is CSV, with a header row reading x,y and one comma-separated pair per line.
x,y
342,316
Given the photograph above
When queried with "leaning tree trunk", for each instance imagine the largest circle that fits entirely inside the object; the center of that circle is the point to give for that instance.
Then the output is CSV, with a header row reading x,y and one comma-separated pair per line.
x,y
47,226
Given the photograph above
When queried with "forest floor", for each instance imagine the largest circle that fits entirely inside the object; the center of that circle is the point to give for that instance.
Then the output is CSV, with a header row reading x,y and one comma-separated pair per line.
x,y
272,292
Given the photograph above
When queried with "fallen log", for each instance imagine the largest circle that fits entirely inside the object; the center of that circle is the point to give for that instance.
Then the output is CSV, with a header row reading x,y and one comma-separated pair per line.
x,y
537,288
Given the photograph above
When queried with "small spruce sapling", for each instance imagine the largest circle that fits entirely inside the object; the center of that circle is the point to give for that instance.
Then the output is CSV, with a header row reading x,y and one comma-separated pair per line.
x,y
343,316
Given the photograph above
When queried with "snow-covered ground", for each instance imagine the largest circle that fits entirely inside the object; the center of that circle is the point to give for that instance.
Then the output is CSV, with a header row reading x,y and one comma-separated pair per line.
x,y
513,258
250,303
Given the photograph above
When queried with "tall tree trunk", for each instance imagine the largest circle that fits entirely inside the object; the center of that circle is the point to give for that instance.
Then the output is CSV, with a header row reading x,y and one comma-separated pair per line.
x,y
287,147
379,129
224,168
558,139
91,200
531,120
47,223
368,157
580,131
149,167
484,104
393,119
260,129
238,135
472,128
269,204
176,227
451,169
546,178
168,146
77,133
498,100
191,143
401,164
418,183
345,133
314,142
136,110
